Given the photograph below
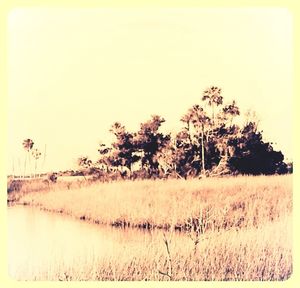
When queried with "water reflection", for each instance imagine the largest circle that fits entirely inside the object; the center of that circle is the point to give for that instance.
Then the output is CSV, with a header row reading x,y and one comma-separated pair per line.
x,y
39,241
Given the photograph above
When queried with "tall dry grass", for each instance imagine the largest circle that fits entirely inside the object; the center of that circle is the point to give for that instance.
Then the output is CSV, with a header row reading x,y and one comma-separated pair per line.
x,y
221,203
247,254
237,228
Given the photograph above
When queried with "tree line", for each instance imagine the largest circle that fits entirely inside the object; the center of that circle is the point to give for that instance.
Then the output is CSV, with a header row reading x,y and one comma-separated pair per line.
x,y
210,143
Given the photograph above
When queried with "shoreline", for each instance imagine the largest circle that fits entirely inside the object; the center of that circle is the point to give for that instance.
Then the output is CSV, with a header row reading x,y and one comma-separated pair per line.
x,y
243,223
226,203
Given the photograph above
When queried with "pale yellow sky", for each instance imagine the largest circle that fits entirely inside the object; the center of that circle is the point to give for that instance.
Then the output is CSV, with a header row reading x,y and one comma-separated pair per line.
x,y
73,72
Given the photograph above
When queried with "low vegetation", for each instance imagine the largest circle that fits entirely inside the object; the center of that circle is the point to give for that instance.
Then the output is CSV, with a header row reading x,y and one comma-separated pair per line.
x,y
238,228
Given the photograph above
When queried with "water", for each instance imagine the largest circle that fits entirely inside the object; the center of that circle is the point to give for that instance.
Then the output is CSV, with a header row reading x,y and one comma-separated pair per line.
x,y
42,244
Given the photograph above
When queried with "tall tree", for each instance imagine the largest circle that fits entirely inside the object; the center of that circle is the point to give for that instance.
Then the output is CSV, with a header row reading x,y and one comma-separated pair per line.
x,y
149,141
123,153
254,156
200,122
230,111
213,97
210,140
104,160
27,145
224,132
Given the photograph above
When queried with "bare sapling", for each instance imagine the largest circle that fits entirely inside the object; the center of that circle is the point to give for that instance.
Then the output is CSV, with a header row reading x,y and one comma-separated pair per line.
x,y
198,226
169,273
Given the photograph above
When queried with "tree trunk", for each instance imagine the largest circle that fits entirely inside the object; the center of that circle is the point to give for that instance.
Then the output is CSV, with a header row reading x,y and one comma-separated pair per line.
x,y
29,164
226,151
25,166
202,151
35,166
189,132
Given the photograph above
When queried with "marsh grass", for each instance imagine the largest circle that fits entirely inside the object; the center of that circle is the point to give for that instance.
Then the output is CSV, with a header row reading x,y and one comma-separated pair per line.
x,y
215,204
236,228
258,254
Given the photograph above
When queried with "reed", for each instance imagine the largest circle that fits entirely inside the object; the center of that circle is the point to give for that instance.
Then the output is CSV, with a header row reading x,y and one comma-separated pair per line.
x,y
255,254
237,228
214,204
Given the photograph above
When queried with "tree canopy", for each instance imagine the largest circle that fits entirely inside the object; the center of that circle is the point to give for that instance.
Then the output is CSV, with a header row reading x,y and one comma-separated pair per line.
x,y
210,143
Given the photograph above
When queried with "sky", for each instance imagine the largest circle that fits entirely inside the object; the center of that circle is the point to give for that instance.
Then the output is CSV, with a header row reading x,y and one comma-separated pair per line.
x,y
74,72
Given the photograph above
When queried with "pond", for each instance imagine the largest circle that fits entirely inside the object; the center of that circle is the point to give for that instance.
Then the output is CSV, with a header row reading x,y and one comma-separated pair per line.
x,y
41,243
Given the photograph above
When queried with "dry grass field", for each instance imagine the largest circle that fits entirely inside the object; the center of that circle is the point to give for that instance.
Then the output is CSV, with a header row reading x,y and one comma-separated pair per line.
x,y
237,228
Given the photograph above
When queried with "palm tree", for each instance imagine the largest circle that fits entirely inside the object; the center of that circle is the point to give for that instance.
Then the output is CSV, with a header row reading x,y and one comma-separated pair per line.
x,y
232,131
27,145
213,97
36,155
230,111
200,122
